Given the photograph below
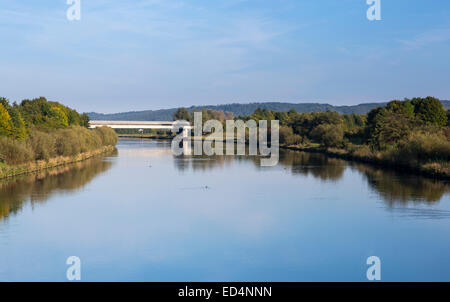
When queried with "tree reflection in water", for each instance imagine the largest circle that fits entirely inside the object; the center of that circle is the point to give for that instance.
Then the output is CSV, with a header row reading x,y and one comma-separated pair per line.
x,y
403,188
39,187
395,188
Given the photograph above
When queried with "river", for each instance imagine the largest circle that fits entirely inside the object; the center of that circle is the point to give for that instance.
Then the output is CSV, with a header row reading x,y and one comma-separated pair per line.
x,y
142,214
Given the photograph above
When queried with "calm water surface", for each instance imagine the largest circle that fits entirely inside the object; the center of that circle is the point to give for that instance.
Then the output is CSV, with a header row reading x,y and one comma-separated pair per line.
x,y
144,215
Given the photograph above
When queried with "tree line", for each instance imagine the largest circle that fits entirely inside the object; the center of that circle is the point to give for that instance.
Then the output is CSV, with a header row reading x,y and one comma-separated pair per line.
x,y
412,132
38,129
16,120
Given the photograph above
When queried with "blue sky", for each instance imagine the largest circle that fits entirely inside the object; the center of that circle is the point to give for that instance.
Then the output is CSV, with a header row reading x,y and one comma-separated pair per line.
x,y
151,54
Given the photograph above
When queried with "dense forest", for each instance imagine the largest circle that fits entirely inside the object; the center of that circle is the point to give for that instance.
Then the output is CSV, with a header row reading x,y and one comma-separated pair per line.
x,y
38,129
240,110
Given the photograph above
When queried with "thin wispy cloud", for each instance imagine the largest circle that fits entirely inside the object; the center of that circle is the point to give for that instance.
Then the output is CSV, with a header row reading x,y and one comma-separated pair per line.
x,y
161,53
427,38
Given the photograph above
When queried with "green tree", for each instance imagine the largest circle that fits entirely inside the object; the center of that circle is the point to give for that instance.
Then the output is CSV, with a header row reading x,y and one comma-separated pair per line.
x,y
328,135
389,129
430,110
73,117
283,117
360,120
288,137
406,107
5,122
301,123
182,114
59,117
328,117
36,112
262,114
19,129
85,120
48,115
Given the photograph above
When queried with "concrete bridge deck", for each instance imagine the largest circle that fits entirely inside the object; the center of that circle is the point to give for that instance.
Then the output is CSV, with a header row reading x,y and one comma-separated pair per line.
x,y
168,125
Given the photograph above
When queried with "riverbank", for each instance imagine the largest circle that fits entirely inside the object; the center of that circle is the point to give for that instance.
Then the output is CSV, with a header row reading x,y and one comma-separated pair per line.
x,y
7,171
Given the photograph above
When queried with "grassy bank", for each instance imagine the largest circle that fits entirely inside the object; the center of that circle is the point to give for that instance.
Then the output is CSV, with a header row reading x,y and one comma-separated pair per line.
x,y
7,171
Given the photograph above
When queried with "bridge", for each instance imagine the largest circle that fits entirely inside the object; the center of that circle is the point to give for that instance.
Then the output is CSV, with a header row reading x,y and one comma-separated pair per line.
x,y
162,125
136,124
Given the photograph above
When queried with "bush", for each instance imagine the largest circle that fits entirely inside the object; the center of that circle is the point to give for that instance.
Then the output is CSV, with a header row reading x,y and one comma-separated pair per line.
x,y
362,151
328,135
108,136
75,140
67,143
14,151
424,147
43,145
288,137
89,139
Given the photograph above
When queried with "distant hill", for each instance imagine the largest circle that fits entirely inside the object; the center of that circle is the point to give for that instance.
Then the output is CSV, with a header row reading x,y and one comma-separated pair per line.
x,y
239,110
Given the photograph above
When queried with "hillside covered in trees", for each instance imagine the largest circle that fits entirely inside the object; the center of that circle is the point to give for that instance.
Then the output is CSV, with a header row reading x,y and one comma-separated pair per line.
x,y
240,110
40,130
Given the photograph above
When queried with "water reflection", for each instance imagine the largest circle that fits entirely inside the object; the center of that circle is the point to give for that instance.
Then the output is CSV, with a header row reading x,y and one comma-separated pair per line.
x,y
39,187
395,188
202,162
402,188
153,217
315,164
